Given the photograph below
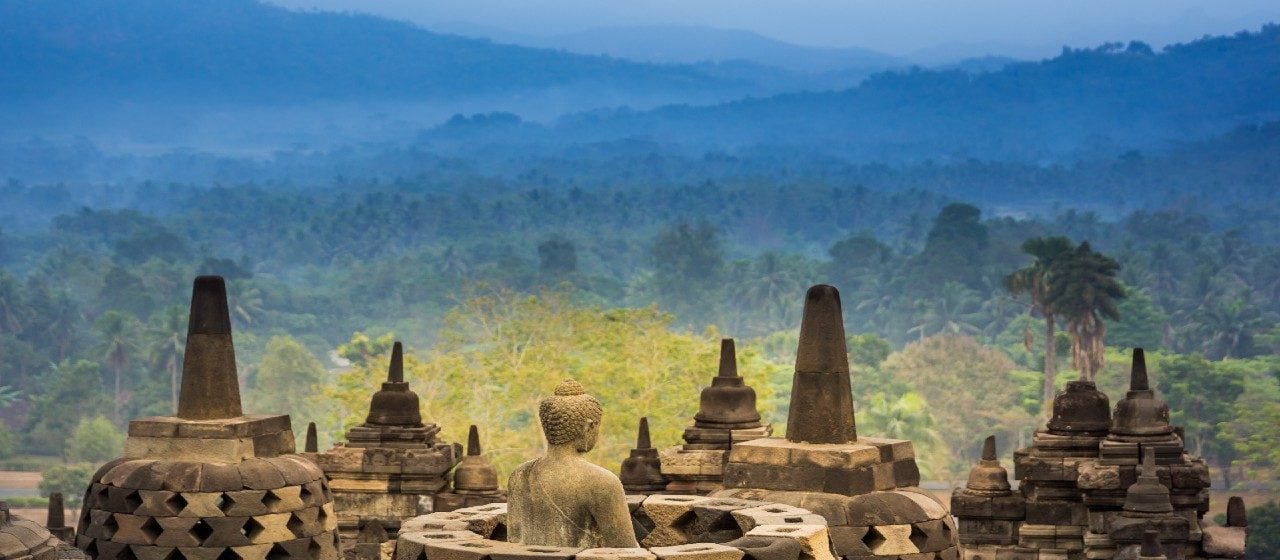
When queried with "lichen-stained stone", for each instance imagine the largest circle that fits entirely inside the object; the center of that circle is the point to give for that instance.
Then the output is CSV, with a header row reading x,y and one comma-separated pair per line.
x,y
411,544
700,551
813,539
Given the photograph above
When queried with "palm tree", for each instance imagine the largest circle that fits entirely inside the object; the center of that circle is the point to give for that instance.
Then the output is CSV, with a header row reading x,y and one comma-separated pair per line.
x,y
953,311
115,332
168,342
1083,289
1034,281
248,303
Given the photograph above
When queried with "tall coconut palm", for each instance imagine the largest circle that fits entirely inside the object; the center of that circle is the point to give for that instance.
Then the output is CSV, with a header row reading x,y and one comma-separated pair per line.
x,y
116,342
1034,280
168,341
1083,289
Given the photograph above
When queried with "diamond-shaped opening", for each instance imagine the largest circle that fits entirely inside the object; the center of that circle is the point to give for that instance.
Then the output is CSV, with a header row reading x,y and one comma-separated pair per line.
x,y
176,503
175,554
111,526
313,549
271,500
946,531
873,539
918,537
92,549
685,521
295,525
499,532
305,494
422,554
322,516
132,501
151,529
201,531
277,552
127,554
224,502
228,554
251,529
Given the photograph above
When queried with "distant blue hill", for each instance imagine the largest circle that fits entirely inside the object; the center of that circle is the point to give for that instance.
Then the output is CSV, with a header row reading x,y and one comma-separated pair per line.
x,y
1100,99
243,50
685,44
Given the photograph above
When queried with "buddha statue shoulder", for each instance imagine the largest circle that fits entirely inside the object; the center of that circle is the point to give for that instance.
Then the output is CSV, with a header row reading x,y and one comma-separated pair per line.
x,y
560,498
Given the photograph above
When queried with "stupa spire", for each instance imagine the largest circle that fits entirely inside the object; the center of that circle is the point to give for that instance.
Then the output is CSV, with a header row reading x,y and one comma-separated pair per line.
x,y
642,435
210,386
728,359
473,441
821,395
395,372
1138,372
312,444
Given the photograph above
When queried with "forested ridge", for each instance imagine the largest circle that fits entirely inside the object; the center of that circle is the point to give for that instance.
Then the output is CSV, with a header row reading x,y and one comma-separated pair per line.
x,y
993,235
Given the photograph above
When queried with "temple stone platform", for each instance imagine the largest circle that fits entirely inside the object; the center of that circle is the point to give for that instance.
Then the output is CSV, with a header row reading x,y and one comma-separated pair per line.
x,y
866,489
1100,486
668,526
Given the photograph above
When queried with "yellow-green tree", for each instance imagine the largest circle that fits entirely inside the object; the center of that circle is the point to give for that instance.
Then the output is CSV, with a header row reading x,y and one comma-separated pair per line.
x,y
500,352
287,381
972,390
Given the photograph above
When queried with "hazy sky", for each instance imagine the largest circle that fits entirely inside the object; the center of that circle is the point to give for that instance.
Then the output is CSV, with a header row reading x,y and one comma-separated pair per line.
x,y
899,27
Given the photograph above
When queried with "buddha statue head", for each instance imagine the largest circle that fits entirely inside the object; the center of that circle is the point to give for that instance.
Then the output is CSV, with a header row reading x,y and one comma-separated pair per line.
x,y
571,417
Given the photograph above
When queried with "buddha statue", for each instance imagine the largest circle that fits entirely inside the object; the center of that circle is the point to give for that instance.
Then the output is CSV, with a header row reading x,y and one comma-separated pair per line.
x,y
560,499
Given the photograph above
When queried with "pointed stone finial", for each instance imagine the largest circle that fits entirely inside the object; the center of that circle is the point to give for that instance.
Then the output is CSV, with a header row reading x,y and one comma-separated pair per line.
x,y
1151,545
1149,463
821,395
210,387
1138,373
728,359
642,435
312,444
1236,515
57,518
989,449
473,441
395,372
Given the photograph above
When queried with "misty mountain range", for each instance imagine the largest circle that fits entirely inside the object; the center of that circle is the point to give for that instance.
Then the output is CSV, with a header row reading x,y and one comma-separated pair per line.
x,y
243,76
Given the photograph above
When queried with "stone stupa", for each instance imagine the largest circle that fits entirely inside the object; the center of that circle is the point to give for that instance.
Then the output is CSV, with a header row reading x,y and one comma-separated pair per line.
x,y
391,461
475,480
866,488
210,482
726,414
641,472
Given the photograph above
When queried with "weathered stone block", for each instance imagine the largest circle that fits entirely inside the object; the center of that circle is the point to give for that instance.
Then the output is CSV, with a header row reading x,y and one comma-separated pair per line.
x,y
700,551
813,539
615,554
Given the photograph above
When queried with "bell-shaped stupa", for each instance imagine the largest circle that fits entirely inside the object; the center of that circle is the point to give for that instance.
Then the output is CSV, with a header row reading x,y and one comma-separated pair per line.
x,y
210,482
726,414
391,461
